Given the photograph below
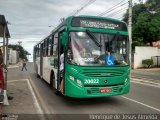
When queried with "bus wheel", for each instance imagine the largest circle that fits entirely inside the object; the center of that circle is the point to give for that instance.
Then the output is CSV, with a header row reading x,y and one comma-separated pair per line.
x,y
52,80
57,92
37,75
37,72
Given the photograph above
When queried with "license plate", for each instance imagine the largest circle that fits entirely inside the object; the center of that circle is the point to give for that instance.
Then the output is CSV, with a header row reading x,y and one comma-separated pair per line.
x,y
103,90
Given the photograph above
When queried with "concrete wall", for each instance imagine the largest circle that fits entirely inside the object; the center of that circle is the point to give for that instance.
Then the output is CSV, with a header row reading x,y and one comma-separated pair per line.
x,y
13,56
142,53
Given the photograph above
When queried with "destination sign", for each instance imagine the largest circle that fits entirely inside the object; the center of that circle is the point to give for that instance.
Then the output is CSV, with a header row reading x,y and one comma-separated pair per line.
x,y
98,23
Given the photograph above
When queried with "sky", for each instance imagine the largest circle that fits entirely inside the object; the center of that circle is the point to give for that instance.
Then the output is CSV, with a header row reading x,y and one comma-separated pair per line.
x,y
31,20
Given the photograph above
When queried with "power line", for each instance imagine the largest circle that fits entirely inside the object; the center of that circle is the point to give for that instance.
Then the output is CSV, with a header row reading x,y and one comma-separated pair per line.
x,y
87,3
118,12
78,8
113,8
103,13
117,7
27,34
120,18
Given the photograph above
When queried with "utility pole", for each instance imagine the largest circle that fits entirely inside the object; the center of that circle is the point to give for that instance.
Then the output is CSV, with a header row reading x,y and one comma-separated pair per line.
x,y
5,56
130,31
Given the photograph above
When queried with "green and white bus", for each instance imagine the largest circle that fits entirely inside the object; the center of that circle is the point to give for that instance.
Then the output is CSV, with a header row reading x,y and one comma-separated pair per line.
x,y
96,57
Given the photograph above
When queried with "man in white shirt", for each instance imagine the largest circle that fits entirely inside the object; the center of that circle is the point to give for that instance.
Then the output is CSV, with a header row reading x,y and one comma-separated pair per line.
x,y
61,72
62,62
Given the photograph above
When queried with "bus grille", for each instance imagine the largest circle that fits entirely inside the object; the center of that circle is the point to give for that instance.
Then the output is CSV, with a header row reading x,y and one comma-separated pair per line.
x,y
102,72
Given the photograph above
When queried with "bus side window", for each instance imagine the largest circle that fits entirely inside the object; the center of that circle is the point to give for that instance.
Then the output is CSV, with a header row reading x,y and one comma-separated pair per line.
x,y
38,54
55,45
47,45
51,46
43,47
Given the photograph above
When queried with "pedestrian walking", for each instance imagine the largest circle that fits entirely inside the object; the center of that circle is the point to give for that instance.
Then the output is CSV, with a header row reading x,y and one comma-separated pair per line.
x,y
24,65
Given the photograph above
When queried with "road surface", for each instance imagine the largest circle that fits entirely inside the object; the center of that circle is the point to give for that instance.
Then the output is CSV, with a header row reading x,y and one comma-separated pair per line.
x,y
142,99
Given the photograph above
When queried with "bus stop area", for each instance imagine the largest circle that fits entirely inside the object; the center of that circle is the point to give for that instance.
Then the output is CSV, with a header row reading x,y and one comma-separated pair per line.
x,y
4,34
16,95
23,104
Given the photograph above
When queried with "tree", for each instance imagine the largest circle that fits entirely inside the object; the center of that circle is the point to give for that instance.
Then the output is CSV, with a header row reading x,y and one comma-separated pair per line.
x,y
153,5
22,52
145,22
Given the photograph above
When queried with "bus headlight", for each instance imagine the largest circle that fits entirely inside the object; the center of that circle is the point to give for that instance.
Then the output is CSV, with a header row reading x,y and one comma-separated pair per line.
x,y
79,83
126,80
71,78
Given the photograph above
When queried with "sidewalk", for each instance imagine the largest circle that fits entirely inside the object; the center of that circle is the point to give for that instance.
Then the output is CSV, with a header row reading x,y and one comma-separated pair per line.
x,y
24,105
23,102
14,65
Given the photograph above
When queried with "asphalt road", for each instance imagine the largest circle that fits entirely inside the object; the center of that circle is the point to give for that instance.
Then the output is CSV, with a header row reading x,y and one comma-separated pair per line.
x,y
152,74
142,99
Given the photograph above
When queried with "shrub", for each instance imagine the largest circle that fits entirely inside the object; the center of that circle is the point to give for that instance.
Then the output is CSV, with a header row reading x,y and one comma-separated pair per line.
x,y
147,62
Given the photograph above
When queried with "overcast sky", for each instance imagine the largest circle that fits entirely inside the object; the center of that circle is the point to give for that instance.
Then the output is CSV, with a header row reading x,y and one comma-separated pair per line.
x,y
30,19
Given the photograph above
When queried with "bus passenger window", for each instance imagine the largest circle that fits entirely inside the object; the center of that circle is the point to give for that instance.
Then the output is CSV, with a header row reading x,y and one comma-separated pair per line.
x,y
51,47
55,46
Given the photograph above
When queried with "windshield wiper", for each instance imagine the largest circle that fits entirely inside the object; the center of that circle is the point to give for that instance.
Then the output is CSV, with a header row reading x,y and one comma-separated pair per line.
x,y
93,38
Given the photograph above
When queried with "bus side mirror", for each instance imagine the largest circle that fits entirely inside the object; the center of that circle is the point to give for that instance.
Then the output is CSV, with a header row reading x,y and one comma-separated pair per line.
x,y
64,38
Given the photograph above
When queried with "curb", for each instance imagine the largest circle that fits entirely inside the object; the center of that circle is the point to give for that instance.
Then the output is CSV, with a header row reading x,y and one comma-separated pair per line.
x,y
13,66
147,69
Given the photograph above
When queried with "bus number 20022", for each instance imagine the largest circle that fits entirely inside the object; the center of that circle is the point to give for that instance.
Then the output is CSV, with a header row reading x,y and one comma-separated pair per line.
x,y
91,81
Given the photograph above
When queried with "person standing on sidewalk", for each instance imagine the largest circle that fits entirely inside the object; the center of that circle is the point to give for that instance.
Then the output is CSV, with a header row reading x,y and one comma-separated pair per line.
x,y
24,65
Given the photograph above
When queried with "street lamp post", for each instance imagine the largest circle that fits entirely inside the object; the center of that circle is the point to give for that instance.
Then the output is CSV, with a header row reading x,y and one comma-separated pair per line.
x,y
130,31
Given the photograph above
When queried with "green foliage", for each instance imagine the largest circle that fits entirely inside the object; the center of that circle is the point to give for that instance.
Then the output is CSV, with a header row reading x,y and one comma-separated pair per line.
x,y
22,53
147,62
153,5
145,22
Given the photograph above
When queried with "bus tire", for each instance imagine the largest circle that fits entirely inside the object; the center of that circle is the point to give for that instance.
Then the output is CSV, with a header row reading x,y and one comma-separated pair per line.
x,y
58,93
37,72
37,75
52,80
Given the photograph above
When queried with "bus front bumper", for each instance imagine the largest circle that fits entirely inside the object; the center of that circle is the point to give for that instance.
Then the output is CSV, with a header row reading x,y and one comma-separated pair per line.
x,y
73,90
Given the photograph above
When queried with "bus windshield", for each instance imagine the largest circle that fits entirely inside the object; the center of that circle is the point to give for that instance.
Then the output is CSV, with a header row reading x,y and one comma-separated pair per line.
x,y
98,49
